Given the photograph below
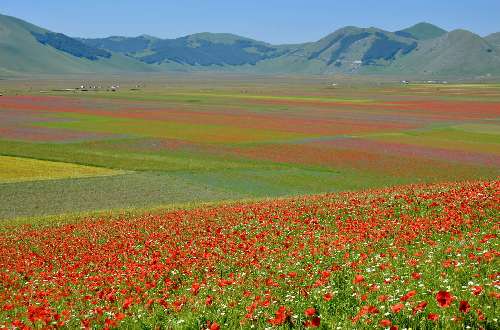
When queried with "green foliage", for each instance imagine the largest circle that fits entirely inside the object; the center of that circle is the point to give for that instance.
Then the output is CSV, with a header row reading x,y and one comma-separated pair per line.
x,y
205,52
71,46
121,44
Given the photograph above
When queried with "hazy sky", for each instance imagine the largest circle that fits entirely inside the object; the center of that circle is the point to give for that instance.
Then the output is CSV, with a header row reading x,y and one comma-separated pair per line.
x,y
275,21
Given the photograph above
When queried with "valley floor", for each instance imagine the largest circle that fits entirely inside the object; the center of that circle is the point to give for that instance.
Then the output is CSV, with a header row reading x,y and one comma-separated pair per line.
x,y
163,141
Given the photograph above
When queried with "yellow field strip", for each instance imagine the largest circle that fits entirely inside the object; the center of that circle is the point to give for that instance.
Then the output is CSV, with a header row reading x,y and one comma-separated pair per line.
x,y
15,169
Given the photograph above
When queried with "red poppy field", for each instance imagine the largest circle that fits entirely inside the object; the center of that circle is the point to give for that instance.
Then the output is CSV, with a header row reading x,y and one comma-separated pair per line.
x,y
419,257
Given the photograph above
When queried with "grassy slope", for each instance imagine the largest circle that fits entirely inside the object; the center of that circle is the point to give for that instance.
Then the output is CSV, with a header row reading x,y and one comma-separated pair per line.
x,y
425,31
346,45
494,39
22,53
458,53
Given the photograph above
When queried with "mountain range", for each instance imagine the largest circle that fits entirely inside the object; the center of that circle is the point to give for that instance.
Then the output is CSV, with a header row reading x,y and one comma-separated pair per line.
x,y
423,50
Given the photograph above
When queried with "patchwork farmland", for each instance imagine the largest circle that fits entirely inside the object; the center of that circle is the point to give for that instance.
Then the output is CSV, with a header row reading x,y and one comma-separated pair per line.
x,y
198,139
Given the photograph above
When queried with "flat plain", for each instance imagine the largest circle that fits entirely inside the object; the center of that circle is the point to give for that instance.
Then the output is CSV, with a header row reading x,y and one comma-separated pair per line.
x,y
203,138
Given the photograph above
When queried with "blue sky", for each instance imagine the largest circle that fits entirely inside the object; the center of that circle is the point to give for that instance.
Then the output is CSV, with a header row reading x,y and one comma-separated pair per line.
x,y
275,21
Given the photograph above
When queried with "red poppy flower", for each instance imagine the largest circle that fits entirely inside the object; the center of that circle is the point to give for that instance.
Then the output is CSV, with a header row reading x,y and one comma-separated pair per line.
x,y
214,326
127,303
433,317
444,298
408,296
281,316
476,290
358,279
464,306
328,297
383,298
397,308
8,307
313,323
310,311
195,288
385,323
495,295
419,307
416,276
209,300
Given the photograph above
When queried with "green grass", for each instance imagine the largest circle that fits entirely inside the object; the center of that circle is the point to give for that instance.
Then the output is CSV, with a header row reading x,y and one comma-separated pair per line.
x,y
150,189
114,154
28,199
199,133
147,190
467,137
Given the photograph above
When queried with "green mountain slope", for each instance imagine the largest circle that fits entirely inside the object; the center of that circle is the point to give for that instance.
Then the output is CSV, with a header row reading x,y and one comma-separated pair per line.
x,y
202,49
458,53
422,31
342,51
26,48
494,39
347,50
420,50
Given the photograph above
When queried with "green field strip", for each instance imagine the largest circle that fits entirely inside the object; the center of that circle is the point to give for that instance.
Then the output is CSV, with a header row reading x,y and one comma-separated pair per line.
x,y
447,86
109,154
280,98
489,129
200,97
463,137
147,190
198,133
15,169
38,198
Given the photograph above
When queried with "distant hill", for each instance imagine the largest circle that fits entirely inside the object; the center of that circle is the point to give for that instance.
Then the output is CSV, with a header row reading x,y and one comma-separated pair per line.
x,y
457,53
202,49
494,39
345,51
422,31
26,48
421,50
122,45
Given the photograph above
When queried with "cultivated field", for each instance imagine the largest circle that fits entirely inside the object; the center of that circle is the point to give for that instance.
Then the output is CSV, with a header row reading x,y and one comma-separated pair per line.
x,y
209,202
192,139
